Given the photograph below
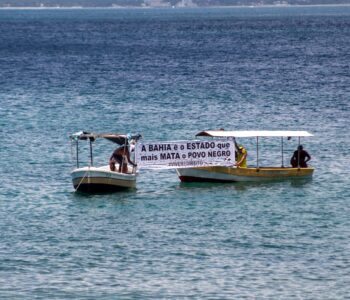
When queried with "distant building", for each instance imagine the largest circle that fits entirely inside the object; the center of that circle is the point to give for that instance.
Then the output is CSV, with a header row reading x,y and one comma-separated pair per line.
x,y
186,3
156,3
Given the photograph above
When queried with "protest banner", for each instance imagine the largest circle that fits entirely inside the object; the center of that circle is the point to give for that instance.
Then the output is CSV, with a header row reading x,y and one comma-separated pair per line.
x,y
184,154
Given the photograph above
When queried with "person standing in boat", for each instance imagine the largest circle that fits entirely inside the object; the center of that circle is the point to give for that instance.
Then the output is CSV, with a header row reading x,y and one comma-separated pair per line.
x,y
241,155
121,155
301,156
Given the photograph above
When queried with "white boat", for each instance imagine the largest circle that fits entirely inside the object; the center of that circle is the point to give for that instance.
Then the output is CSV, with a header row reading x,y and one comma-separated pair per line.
x,y
90,179
251,173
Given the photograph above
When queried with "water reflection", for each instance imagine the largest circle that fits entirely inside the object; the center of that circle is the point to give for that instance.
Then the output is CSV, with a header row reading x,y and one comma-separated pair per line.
x,y
242,186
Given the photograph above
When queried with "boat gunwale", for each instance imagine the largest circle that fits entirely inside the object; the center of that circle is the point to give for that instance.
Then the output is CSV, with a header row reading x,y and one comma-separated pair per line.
x,y
103,170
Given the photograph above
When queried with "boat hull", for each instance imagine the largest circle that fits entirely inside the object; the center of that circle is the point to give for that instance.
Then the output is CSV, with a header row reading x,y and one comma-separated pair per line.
x,y
230,174
101,180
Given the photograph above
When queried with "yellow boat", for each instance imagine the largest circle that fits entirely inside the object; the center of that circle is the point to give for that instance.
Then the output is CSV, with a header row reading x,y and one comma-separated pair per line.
x,y
252,174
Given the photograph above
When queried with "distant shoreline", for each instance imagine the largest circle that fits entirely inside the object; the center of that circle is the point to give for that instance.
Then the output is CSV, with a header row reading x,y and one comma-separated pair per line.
x,y
166,7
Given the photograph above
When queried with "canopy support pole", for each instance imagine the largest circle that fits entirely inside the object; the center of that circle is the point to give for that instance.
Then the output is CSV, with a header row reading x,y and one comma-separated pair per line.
x,y
299,152
77,152
91,159
282,151
257,152
124,157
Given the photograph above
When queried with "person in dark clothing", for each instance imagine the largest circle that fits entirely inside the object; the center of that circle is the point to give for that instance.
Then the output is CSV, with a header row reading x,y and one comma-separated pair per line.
x,y
300,156
118,157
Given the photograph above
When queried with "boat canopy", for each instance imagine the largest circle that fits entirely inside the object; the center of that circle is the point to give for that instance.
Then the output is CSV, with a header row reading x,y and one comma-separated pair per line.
x,y
254,133
117,138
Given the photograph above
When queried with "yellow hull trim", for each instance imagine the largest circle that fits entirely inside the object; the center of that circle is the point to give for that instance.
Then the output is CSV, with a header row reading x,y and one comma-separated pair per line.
x,y
270,172
231,174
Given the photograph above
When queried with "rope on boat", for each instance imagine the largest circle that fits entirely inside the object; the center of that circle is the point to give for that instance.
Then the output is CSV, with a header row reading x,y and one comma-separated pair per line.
x,y
82,179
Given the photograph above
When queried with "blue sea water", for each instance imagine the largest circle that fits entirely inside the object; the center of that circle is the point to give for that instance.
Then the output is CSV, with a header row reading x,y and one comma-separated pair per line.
x,y
168,74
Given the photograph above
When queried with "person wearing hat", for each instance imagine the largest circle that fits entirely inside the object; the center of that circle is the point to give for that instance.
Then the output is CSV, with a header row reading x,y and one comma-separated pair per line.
x,y
300,158
241,156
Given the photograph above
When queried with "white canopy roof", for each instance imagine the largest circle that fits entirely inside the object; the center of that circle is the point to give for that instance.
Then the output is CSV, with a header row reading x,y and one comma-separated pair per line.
x,y
254,133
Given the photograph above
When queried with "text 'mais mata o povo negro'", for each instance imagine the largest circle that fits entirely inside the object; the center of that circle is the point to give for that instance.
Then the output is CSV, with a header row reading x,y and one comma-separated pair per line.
x,y
184,154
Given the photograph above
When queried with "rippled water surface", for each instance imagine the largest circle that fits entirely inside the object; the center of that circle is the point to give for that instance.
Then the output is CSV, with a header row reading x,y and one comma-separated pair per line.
x,y
169,74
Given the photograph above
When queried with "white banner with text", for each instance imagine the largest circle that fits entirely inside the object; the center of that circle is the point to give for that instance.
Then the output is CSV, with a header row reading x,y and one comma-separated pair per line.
x,y
184,154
